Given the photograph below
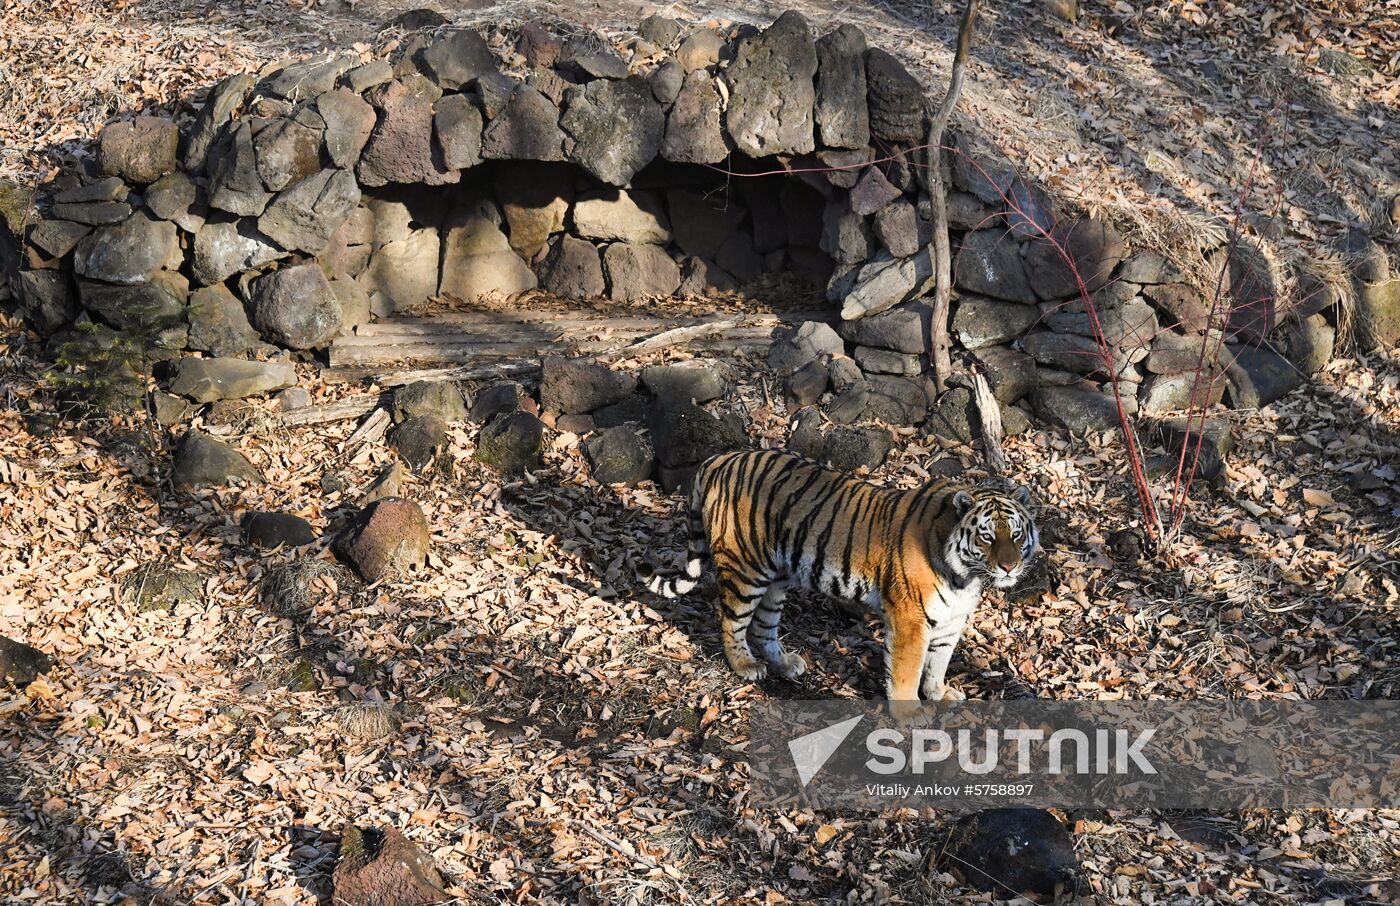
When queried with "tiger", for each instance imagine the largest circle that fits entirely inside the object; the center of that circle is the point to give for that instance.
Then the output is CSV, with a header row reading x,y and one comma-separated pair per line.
x,y
770,521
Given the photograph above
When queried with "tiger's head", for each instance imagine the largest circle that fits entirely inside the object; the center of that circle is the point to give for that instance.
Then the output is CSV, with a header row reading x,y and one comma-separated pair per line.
x,y
995,537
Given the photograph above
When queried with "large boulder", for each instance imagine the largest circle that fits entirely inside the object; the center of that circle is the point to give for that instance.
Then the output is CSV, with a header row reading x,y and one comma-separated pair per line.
x,y
419,439
573,269
403,273
92,213
619,455
306,79
57,237
1257,376
899,226
207,380
980,322
21,664
176,198
986,177
618,215
616,126
387,537
771,91
1094,247
1129,328
1184,307
636,271
845,235
696,381
1011,374
349,121
954,417
574,386
843,119
1168,392
511,443
305,216
989,264
219,323
884,282
442,399
843,448
234,183
288,148
401,147
892,399
226,248
154,311
873,192
1378,314
457,59
874,360
535,198
1172,353
384,868
526,129
702,49
47,300
499,399
1076,409
219,106
271,530
1071,352
684,435
896,99
457,126
804,343
1309,343
477,259
203,462
296,307
1014,851
694,128
127,252
140,150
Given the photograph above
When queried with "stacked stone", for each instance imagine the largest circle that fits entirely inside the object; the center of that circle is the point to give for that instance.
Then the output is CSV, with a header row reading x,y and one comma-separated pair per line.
x,y
304,200
309,198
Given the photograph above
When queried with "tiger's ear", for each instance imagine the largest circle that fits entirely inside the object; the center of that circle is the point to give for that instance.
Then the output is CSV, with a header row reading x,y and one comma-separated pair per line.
x,y
1023,495
962,502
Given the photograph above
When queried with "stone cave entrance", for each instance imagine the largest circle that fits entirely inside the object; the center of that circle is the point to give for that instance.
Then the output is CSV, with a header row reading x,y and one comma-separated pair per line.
x,y
520,257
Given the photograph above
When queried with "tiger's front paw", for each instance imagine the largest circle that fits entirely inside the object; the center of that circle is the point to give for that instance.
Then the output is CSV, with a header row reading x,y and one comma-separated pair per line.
x,y
791,665
952,695
750,669
904,710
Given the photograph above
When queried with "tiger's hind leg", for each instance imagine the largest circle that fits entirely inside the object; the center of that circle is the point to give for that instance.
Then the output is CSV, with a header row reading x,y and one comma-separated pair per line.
x,y
789,665
739,600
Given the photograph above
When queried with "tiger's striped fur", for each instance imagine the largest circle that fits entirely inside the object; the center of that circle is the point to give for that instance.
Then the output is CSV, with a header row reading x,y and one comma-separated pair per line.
x,y
771,520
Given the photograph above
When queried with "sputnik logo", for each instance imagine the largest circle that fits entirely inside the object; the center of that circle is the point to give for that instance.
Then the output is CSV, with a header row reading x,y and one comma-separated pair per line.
x,y
811,752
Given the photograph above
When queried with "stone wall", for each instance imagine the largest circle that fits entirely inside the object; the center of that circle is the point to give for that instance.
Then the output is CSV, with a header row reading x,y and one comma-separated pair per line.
x,y
311,197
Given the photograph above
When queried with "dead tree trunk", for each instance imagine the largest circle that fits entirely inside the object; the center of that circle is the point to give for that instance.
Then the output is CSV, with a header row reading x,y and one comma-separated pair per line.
x,y
989,414
942,252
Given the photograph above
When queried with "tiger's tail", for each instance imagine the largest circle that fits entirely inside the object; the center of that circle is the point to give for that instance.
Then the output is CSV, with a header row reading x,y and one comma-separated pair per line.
x,y
675,584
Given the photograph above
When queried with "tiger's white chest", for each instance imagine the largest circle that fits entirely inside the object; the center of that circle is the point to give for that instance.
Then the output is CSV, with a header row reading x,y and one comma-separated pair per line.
x,y
949,604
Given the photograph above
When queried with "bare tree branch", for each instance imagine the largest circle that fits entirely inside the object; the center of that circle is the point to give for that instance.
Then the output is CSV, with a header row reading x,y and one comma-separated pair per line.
x,y
942,253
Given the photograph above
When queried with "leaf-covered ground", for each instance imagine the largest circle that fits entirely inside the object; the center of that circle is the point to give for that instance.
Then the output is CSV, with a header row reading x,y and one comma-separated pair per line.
x,y
558,735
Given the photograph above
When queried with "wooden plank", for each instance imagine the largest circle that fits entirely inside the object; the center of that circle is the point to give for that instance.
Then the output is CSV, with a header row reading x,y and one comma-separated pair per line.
x,y
340,410
448,347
